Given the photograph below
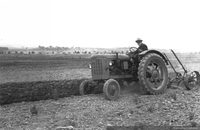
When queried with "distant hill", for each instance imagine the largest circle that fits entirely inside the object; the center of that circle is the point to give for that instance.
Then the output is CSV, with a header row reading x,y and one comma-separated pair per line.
x,y
4,48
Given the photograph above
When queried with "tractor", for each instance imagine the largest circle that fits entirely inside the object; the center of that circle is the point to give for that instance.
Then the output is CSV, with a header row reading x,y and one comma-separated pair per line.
x,y
109,71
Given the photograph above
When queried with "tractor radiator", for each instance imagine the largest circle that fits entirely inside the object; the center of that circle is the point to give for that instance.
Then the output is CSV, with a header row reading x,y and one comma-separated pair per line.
x,y
97,67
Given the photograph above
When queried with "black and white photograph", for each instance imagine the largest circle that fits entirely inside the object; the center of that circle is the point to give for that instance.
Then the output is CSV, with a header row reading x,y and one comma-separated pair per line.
x,y
99,64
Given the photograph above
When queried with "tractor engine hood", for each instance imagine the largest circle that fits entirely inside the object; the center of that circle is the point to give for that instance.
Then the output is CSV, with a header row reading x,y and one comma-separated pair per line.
x,y
111,56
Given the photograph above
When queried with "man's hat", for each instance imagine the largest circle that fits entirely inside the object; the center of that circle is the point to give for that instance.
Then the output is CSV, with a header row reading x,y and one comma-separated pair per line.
x,y
138,40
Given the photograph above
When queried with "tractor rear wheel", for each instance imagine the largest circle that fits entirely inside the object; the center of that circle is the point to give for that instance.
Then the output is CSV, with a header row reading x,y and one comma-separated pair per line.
x,y
85,87
153,73
111,89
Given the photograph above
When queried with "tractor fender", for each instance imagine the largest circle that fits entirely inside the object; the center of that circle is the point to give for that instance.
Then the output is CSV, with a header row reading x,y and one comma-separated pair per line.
x,y
142,54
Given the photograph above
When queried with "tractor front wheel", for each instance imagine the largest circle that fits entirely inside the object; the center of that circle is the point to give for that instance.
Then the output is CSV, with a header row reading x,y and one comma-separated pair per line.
x,y
111,89
85,87
153,74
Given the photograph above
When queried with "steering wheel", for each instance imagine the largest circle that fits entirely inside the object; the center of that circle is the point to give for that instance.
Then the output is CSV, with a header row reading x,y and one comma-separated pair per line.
x,y
133,49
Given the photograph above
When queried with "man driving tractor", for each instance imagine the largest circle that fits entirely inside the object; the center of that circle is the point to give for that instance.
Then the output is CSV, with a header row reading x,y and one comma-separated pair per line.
x,y
142,47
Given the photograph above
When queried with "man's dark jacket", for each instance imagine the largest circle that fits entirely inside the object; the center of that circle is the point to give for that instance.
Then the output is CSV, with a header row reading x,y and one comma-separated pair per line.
x,y
142,48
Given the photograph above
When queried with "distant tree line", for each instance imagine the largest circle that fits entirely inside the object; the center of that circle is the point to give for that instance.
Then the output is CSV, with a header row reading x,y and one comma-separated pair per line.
x,y
53,48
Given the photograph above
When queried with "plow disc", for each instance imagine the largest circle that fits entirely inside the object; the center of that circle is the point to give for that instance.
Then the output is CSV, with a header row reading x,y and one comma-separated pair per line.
x,y
191,80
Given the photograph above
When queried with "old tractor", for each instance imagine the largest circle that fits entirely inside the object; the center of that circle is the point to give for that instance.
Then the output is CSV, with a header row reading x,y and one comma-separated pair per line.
x,y
109,71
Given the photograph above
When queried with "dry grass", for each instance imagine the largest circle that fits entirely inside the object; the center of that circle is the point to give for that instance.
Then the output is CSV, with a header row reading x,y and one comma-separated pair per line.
x,y
42,68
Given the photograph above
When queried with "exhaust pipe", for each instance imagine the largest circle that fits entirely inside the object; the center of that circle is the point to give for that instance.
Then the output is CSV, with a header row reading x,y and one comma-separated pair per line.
x,y
117,59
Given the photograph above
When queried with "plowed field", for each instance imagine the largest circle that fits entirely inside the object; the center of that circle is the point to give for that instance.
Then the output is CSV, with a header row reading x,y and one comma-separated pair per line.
x,y
177,106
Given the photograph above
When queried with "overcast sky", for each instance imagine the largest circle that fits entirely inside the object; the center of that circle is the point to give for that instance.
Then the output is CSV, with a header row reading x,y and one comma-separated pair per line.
x,y
100,23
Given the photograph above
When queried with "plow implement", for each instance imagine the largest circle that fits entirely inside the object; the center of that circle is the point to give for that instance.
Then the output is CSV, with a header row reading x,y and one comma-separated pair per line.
x,y
191,80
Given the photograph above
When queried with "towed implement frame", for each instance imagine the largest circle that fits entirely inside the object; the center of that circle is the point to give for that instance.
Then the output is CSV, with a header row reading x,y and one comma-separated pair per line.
x,y
190,79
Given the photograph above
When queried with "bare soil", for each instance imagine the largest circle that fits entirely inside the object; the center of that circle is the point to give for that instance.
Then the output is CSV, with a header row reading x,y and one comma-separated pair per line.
x,y
177,106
